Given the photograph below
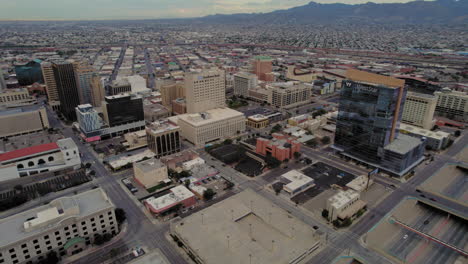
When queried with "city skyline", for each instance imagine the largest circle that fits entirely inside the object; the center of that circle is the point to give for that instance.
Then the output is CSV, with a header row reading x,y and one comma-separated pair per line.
x,y
148,9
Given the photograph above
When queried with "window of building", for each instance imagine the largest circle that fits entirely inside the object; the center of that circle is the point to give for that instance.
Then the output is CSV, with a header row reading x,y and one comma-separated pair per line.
x,y
47,242
57,233
15,261
23,246
38,252
27,256
11,250
74,225
66,228
50,158
25,251
36,247
59,243
49,247
13,256
67,233
30,164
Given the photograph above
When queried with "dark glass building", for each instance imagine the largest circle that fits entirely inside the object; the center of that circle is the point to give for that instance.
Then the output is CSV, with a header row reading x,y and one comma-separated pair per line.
x,y
67,87
370,111
29,73
122,109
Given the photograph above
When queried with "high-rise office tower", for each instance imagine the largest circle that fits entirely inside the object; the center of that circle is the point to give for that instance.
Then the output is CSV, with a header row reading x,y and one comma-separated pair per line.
x,y
370,110
122,109
67,87
205,90
243,82
2,82
97,90
262,67
51,85
85,74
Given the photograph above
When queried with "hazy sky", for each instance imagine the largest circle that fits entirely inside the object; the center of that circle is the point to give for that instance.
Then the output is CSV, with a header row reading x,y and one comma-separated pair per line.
x,y
142,9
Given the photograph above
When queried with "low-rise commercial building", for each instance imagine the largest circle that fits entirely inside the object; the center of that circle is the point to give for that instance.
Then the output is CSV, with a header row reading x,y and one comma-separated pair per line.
x,y
281,147
163,138
296,182
66,225
154,112
344,204
41,158
434,140
176,161
418,110
178,196
135,140
149,173
452,104
212,125
16,98
23,121
257,121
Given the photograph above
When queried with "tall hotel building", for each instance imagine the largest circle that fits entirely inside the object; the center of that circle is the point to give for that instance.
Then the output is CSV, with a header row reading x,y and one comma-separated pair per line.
x,y
370,111
66,225
205,90
243,82
419,110
51,85
67,87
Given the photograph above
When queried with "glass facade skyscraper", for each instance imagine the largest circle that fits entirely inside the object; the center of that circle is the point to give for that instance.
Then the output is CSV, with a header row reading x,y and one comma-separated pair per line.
x,y
369,114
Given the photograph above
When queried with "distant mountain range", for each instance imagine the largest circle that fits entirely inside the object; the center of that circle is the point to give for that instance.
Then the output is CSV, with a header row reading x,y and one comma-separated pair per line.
x,y
416,12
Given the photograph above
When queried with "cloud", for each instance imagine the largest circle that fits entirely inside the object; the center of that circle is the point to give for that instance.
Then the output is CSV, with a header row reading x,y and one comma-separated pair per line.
x,y
144,9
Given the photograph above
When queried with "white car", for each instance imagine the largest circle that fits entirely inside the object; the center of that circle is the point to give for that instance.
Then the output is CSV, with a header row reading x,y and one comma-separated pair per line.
x,y
405,236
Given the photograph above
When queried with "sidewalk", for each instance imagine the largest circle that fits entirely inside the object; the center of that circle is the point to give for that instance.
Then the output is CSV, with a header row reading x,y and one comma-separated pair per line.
x,y
93,249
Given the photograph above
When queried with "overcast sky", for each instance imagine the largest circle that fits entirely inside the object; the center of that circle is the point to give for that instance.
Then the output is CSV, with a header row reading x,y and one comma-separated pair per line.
x,y
143,9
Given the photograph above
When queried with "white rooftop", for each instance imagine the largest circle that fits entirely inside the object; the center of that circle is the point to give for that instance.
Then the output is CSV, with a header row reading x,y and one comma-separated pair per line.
x,y
297,180
177,194
209,116
342,198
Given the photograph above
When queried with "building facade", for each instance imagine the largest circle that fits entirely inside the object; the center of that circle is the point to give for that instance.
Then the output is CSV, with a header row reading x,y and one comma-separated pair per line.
x,y
40,158
29,73
119,87
212,125
23,121
16,97
88,118
178,195
67,87
262,66
205,90
84,75
122,109
281,147
171,91
369,114
66,225
243,82
452,104
163,138
419,110
344,204
97,91
149,173
3,85
51,86
434,140
289,94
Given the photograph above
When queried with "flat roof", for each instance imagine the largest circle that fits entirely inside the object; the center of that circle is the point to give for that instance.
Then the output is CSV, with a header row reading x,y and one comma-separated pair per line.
x,y
342,198
363,76
149,165
15,154
403,144
177,195
297,179
80,205
424,132
161,126
246,227
209,116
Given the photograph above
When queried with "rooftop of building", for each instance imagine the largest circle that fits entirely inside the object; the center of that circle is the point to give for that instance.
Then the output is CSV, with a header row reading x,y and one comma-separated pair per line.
x,y
38,220
342,198
24,152
148,165
24,109
258,117
245,226
367,77
66,143
263,58
420,95
448,91
296,179
403,144
245,75
161,126
210,116
424,132
177,194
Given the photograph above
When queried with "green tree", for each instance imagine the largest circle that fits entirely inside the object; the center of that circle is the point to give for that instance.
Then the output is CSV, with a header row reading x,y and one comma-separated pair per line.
x,y
297,155
227,142
457,133
312,143
325,213
120,215
326,140
272,162
208,194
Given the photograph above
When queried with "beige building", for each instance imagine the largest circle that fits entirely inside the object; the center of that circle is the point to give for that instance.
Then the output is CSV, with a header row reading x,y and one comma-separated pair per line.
x,y
257,121
149,173
212,125
452,104
170,92
66,225
205,90
18,122
97,91
243,82
418,110
16,97
163,138
344,204
51,85
135,140
289,94
261,95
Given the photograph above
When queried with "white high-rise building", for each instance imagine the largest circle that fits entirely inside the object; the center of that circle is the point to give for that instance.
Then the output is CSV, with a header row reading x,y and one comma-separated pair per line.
x,y
205,90
243,82
452,104
418,110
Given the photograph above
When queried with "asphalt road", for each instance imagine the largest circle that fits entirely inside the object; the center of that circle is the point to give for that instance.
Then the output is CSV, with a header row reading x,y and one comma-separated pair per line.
x,y
141,231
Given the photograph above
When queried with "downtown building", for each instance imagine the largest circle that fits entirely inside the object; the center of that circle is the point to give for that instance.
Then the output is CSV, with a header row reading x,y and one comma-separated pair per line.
x,y
121,114
67,87
51,86
163,138
367,127
243,82
16,98
29,73
452,104
66,225
29,161
262,66
3,85
205,90
23,121
90,87
419,110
